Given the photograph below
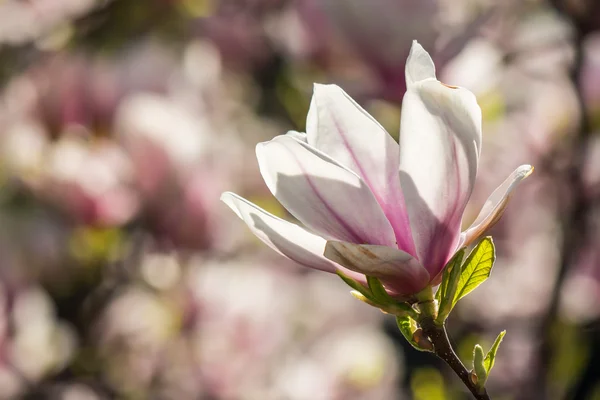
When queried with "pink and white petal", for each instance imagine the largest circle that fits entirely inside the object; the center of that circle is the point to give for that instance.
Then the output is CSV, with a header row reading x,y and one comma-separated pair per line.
x,y
400,272
322,194
286,238
337,126
440,141
494,206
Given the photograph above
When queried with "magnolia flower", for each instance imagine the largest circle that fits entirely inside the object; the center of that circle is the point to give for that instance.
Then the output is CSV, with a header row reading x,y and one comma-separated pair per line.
x,y
369,206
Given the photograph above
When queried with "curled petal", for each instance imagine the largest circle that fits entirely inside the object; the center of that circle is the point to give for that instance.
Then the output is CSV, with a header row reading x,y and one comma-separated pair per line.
x,y
325,196
494,206
440,141
339,127
286,238
400,272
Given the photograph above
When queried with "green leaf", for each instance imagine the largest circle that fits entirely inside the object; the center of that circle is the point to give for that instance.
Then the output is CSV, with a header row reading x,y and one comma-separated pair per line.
x,y
357,295
377,296
490,357
447,289
442,288
384,301
379,292
479,367
408,327
356,286
476,269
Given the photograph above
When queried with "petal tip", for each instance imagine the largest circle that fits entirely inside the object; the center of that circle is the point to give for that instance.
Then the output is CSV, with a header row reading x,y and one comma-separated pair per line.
x,y
528,169
258,148
416,46
325,88
331,250
419,65
225,197
523,172
229,198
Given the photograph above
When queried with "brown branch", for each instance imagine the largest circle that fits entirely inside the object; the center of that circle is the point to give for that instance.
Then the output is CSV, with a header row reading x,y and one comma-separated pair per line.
x,y
443,349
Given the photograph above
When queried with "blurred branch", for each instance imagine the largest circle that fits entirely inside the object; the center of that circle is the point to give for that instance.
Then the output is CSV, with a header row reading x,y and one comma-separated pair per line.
x,y
15,59
575,210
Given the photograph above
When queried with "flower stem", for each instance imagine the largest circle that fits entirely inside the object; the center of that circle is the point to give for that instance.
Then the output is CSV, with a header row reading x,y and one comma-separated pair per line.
x,y
443,349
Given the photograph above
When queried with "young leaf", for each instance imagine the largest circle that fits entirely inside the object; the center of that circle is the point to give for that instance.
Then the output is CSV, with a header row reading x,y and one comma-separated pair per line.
x,y
356,286
479,367
378,291
447,288
408,327
476,269
358,295
490,357
442,288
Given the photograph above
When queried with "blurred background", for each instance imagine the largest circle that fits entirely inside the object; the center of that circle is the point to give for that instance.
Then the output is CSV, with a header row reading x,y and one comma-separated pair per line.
x,y
122,276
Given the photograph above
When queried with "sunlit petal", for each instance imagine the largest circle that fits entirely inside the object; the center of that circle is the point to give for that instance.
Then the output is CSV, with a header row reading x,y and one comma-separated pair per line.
x,y
494,206
340,128
286,238
440,140
419,66
325,196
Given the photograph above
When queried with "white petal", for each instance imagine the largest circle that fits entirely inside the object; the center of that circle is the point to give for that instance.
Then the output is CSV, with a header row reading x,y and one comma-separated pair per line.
x,y
337,126
494,206
419,65
440,141
322,194
395,267
301,136
282,236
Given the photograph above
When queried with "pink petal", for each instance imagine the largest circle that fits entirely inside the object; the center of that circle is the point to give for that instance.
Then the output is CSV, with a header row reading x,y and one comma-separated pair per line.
x,y
325,196
440,141
399,271
340,128
288,239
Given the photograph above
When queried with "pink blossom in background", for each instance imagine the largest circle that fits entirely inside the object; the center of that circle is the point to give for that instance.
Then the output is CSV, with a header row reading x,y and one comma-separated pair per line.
x,y
336,43
122,123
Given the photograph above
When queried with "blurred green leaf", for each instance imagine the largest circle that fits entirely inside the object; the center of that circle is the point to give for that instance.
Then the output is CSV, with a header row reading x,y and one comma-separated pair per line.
x,y
295,102
476,269
90,244
464,347
571,347
428,384
492,105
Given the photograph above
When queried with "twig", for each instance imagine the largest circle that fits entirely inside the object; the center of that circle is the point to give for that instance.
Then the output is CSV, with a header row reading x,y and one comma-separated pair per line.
x,y
443,349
